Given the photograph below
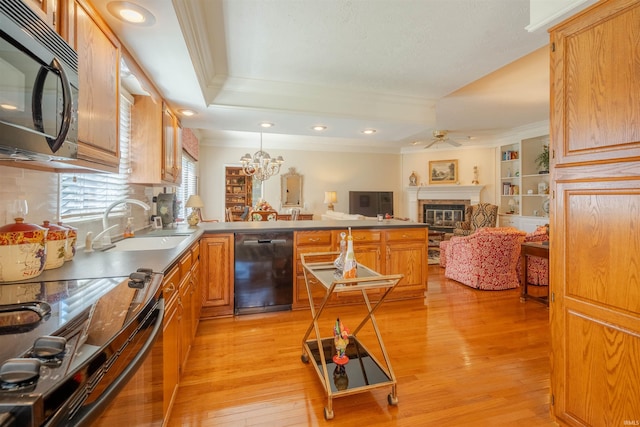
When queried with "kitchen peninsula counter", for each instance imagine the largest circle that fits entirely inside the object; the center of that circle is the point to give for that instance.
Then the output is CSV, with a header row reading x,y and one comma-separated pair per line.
x,y
112,263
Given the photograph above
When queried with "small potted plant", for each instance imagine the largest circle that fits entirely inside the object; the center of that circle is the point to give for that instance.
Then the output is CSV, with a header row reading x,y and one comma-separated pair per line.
x,y
543,160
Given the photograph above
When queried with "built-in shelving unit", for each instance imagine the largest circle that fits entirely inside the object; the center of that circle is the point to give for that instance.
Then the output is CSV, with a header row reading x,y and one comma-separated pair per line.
x,y
523,186
238,190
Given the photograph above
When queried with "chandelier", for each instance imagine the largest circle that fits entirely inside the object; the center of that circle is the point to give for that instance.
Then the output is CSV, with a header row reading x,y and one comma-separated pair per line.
x,y
261,166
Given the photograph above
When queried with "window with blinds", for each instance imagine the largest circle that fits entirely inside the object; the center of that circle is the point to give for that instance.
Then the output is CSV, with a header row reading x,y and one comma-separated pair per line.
x,y
188,187
87,195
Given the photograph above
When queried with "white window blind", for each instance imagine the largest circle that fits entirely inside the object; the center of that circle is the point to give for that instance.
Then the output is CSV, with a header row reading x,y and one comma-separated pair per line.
x,y
84,195
188,187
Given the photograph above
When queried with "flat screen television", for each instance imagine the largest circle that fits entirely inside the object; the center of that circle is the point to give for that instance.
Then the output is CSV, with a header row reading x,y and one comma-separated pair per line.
x,y
371,203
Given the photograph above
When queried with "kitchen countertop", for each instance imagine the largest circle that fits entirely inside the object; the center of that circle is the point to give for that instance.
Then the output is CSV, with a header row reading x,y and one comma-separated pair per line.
x,y
110,263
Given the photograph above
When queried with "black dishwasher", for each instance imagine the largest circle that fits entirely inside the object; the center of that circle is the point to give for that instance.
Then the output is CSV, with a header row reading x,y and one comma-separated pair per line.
x,y
263,272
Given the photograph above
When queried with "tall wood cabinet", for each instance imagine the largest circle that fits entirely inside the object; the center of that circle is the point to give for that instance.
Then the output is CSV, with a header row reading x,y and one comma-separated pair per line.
x,y
595,216
238,191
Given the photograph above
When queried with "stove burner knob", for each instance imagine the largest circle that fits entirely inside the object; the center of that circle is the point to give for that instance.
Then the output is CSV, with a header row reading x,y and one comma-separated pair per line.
x,y
48,347
19,370
137,280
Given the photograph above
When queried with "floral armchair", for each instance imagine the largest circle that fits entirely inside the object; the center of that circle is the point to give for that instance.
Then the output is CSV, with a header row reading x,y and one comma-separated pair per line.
x,y
476,216
487,259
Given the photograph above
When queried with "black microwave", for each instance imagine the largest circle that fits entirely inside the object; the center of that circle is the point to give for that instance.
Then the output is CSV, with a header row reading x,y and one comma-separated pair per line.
x,y
38,88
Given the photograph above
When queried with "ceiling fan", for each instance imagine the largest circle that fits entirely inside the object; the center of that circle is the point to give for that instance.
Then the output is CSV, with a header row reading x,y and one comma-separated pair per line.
x,y
441,136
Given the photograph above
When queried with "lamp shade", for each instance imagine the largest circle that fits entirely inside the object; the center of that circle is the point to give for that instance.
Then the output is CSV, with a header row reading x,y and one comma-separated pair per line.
x,y
194,201
330,197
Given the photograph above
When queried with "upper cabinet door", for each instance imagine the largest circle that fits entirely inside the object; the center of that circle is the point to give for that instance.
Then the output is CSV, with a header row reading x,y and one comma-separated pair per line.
x,y
595,105
98,68
171,148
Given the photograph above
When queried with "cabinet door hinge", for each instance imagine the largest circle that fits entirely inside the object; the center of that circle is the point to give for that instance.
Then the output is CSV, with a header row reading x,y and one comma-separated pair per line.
x,y
553,297
553,399
553,46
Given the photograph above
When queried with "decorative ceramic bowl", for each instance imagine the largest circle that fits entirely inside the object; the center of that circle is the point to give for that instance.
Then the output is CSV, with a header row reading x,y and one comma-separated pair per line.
x,y
56,243
22,251
72,240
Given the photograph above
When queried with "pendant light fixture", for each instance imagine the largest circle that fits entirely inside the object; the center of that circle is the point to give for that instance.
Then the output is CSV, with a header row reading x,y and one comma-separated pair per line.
x,y
261,165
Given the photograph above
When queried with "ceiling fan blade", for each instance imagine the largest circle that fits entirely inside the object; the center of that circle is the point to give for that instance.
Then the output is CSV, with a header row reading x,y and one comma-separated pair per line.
x,y
430,143
452,142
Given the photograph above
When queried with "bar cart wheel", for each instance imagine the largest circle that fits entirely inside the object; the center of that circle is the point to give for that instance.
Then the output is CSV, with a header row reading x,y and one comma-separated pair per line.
x,y
304,358
328,414
393,400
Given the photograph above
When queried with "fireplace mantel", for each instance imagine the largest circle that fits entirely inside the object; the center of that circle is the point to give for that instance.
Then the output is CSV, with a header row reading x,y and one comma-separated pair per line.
x,y
440,192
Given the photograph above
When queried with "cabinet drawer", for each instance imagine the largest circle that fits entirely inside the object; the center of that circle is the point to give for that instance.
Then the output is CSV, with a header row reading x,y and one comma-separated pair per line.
x,y
195,253
170,284
407,234
185,265
313,238
361,236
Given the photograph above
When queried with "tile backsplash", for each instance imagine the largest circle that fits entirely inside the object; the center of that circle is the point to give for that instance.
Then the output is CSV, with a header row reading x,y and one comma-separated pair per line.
x,y
40,189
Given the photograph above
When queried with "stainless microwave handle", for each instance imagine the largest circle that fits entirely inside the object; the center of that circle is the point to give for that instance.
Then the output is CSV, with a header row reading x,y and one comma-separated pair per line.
x,y
38,92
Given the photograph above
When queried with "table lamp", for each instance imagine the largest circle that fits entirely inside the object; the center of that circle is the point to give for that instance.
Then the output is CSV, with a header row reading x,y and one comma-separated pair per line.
x,y
194,202
330,197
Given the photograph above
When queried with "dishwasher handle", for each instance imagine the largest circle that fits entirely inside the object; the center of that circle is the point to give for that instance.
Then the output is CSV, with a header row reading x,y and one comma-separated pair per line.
x,y
263,241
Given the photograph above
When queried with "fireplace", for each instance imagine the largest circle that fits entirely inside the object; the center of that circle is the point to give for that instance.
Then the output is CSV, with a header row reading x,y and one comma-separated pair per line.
x,y
445,194
443,216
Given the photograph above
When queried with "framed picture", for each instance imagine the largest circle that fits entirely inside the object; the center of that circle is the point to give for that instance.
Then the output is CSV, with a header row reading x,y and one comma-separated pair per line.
x,y
443,172
157,222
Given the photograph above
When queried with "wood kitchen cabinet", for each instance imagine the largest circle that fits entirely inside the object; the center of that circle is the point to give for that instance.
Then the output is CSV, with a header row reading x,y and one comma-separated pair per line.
x,y
182,309
45,9
171,147
156,143
309,242
217,269
594,257
99,76
170,340
387,251
146,141
406,253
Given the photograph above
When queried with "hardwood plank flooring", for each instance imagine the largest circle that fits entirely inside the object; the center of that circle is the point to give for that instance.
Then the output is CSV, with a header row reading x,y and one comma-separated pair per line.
x,y
460,356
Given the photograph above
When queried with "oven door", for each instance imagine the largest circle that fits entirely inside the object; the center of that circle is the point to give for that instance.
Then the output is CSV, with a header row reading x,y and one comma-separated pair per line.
x,y
130,392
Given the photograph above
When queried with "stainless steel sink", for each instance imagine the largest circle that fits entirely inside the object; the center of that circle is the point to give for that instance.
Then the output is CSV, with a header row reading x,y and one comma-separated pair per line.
x,y
149,243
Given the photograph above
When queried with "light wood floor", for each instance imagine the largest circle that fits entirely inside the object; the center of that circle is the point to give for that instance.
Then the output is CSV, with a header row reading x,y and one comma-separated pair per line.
x,y
461,357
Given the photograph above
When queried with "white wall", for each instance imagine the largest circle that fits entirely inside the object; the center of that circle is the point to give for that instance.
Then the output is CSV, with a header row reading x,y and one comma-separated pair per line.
x,y
321,170
40,189
484,158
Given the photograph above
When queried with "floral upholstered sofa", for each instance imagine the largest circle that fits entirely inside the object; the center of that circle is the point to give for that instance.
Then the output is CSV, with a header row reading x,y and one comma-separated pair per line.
x,y
487,259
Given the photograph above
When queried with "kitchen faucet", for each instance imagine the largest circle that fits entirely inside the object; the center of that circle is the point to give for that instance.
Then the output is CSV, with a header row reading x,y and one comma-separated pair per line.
x,y
104,234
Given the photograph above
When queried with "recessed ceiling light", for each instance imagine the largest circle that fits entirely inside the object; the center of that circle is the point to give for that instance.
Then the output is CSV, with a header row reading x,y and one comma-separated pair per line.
x,y
319,128
131,13
266,124
187,112
369,131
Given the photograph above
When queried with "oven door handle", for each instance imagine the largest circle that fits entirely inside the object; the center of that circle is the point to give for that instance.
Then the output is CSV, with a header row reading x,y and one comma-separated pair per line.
x,y
88,414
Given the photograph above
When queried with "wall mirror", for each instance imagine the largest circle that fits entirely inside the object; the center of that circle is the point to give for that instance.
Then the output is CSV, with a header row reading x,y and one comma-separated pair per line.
x,y
291,188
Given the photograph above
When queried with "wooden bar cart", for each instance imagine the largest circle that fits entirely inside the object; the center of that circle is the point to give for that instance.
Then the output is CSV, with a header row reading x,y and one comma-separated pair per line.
x,y
363,371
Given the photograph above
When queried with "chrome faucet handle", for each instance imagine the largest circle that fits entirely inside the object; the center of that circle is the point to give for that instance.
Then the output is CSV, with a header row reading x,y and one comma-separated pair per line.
x,y
90,240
